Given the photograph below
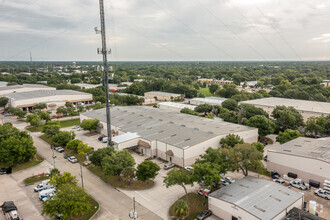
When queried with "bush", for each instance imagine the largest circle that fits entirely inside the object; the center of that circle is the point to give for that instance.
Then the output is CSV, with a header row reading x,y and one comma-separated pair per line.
x,y
73,144
147,170
97,157
64,137
181,208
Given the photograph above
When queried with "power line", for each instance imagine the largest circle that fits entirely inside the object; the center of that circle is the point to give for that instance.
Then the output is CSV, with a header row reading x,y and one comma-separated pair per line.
x,y
192,30
233,32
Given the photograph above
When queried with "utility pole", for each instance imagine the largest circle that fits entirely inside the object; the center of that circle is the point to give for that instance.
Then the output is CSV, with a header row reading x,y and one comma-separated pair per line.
x,y
105,52
54,157
82,178
132,213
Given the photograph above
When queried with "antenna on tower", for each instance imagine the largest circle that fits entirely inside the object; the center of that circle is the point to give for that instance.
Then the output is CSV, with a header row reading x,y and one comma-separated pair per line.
x,y
105,53
30,57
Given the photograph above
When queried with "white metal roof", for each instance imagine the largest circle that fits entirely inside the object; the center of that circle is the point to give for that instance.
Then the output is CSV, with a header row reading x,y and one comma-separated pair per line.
x,y
43,93
209,100
125,137
177,105
162,93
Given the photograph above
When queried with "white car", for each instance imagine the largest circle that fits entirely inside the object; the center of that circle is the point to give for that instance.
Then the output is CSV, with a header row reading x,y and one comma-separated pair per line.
x,y
47,197
229,180
299,184
75,127
59,149
188,168
224,182
322,193
72,159
280,181
168,166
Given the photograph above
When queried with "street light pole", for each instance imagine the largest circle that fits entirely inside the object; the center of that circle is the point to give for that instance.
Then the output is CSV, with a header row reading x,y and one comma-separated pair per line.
x,y
53,156
81,176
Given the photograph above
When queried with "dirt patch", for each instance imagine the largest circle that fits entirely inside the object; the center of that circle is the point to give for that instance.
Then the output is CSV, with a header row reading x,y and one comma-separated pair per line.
x,y
93,133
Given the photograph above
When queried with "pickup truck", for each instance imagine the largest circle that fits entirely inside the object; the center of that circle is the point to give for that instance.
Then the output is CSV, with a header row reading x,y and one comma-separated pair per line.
x,y
10,211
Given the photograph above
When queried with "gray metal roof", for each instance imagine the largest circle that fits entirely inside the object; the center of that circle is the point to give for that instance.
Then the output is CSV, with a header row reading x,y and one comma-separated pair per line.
x,y
42,93
170,127
162,93
306,147
301,105
24,86
261,198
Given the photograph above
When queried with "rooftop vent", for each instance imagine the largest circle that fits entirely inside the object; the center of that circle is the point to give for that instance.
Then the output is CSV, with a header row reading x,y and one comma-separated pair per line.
x,y
161,132
244,186
210,132
260,209
297,145
149,128
196,129
160,119
307,140
173,135
139,125
187,139
227,194
183,125
273,197
284,192
150,117
171,122
286,150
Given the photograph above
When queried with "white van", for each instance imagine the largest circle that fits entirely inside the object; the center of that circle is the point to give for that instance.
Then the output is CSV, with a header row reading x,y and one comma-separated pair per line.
x,y
45,193
42,186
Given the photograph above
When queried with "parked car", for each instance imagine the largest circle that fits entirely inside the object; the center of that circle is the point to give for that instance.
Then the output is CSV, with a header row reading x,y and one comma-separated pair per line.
x,y
45,193
206,192
188,168
72,159
59,149
224,182
322,193
3,171
76,127
266,158
299,184
47,197
80,129
105,139
10,210
43,186
275,175
280,181
204,214
264,142
168,166
229,180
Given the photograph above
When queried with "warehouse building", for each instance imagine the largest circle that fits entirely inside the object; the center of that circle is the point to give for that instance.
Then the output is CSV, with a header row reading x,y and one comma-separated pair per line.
x,y
307,157
208,100
163,96
306,108
175,137
174,106
252,198
23,88
53,99
147,101
87,86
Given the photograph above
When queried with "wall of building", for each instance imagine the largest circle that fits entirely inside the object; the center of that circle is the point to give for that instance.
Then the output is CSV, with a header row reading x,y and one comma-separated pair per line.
x,y
305,168
127,144
163,98
225,210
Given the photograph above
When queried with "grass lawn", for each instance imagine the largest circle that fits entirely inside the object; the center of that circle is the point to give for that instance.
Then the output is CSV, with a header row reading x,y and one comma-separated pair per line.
x,y
195,203
69,123
47,139
32,179
116,182
35,161
91,212
205,92
34,129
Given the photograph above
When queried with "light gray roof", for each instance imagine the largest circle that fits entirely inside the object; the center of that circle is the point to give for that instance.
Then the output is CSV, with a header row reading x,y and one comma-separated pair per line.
x,y
301,105
87,85
177,105
181,130
261,198
306,147
124,137
24,86
162,93
42,93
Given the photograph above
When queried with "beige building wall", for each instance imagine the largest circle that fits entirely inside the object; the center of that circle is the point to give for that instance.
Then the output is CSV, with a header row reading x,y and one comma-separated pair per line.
x,y
305,168
163,98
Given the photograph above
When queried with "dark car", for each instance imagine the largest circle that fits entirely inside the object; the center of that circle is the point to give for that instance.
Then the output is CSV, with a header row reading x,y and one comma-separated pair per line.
x,y
101,137
204,214
275,175
3,171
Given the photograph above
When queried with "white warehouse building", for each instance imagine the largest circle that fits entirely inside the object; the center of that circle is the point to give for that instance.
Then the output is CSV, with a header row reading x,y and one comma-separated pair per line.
x,y
175,137
306,108
23,88
253,199
53,98
307,157
174,106
208,100
163,96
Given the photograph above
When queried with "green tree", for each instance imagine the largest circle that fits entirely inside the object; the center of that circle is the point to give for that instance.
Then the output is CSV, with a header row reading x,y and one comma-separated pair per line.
x,y
188,111
318,126
40,106
259,146
15,146
3,101
213,88
128,174
34,120
231,140
227,91
75,80
287,117
51,128
114,164
84,149
54,172
44,116
70,201
264,125
68,105
214,156
204,108
61,111
179,177
20,113
58,180
288,135
73,144
243,157
181,209
97,157
247,111
230,104
147,170
63,137
89,124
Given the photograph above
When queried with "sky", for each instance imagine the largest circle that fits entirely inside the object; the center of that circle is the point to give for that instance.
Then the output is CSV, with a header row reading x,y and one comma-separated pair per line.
x,y
171,30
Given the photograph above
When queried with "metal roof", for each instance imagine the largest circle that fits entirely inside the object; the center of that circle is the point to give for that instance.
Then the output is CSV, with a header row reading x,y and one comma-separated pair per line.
x,y
301,105
177,105
23,86
209,100
261,198
162,93
42,93
177,129
125,137
306,147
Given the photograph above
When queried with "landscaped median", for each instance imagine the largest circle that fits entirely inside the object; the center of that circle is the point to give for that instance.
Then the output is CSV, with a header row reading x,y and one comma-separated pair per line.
x,y
63,124
36,178
31,163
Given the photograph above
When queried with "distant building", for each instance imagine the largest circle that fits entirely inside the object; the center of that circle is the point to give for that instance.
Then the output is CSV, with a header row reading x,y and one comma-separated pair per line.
x,y
174,106
171,136
306,108
215,81
163,96
249,83
207,100
126,83
147,101
87,86
325,83
299,214
2,84
309,158
53,98
252,198
23,88
116,88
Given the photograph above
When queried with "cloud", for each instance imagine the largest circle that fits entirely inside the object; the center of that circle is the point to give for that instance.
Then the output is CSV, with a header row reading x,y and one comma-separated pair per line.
x,y
324,38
